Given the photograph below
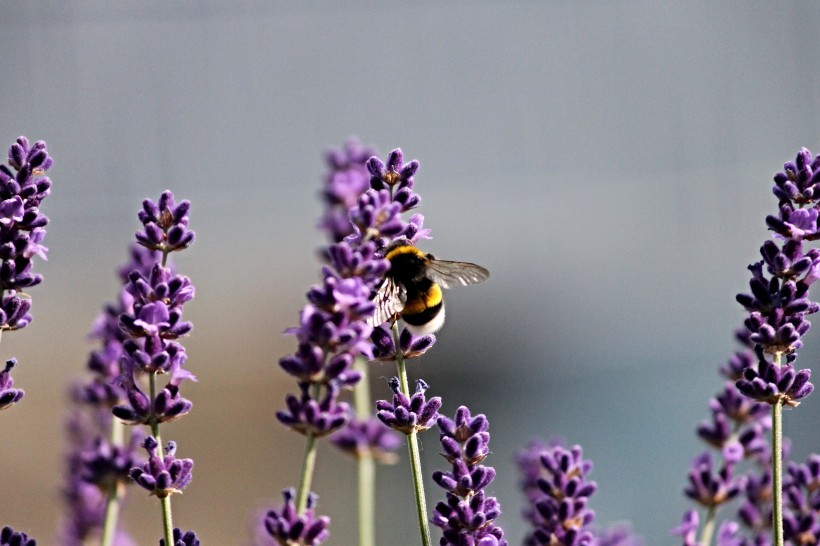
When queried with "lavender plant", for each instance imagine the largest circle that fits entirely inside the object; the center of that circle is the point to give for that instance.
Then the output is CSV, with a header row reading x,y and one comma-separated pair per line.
x,y
763,379
467,516
101,450
23,186
150,349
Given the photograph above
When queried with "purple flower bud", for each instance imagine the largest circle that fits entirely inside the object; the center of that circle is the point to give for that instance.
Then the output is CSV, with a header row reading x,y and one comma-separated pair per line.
x,y
289,528
8,394
162,475
368,437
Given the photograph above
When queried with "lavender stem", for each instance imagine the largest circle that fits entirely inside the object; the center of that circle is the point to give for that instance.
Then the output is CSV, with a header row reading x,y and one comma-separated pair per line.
x,y
367,467
112,500
777,467
413,447
708,527
306,476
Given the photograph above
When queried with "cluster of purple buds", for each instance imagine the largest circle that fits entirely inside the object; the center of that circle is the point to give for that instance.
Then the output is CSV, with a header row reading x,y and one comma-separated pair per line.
x,y
798,193
162,475
23,185
467,516
368,438
712,489
557,490
8,394
408,415
165,224
187,539
410,345
289,528
347,178
8,537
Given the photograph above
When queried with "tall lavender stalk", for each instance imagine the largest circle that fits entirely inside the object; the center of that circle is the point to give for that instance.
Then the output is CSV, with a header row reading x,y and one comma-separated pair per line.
x,y
151,350
332,332
779,304
23,185
364,438
377,217
101,450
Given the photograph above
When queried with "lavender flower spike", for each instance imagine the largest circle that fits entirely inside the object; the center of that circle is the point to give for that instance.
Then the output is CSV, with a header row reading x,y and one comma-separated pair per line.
x,y
23,185
467,515
8,394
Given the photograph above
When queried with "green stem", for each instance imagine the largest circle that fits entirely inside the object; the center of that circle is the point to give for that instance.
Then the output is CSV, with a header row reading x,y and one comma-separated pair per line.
x,y
367,467
167,520
413,448
306,476
777,468
165,502
708,527
112,500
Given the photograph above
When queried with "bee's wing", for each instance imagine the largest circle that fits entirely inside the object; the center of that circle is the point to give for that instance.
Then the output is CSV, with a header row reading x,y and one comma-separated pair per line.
x,y
389,300
449,274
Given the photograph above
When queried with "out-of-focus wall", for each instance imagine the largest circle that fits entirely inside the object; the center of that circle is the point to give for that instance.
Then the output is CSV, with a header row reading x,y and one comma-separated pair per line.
x,y
610,163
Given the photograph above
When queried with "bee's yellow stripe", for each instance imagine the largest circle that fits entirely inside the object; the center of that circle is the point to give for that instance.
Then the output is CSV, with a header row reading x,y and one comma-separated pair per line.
x,y
430,299
406,249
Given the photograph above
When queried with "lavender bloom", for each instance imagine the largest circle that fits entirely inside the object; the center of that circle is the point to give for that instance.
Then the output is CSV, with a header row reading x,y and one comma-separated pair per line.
x,y
795,188
22,226
165,224
618,535
467,515
153,322
187,539
332,332
162,475
557,489
320,418
407,416
288,528
368,437
10,538
346,180
396,176
710,489
8,394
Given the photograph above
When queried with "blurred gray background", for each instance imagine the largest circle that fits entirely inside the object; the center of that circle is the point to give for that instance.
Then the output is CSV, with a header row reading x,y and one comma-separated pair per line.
x,y
609,162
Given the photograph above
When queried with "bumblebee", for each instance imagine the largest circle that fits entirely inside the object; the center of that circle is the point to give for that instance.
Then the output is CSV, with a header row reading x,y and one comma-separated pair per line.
x,y
412,287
